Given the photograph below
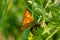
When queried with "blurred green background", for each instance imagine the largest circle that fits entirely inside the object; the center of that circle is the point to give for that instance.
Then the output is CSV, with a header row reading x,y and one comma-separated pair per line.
x,y
12,14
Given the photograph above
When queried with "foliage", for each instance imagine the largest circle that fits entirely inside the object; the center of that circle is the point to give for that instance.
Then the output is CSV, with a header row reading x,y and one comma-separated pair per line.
x,y
46,11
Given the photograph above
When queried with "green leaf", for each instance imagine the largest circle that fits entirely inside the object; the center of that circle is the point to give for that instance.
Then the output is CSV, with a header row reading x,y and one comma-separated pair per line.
x,y
25,34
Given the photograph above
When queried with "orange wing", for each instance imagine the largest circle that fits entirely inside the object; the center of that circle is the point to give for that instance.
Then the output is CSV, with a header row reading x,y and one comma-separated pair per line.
x,y
27,20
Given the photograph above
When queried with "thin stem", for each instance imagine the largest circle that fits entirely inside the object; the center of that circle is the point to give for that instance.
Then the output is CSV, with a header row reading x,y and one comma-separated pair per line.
x,y
52,34
47,3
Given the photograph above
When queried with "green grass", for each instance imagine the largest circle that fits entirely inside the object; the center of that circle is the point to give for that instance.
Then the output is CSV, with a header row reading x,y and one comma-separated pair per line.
x,y
46,11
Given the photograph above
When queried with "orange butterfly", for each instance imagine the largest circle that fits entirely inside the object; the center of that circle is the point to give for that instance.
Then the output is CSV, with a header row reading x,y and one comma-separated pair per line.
x,y
27,20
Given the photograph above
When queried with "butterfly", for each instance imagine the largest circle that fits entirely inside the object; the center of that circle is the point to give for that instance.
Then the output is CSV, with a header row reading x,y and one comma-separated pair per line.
x,y
27,19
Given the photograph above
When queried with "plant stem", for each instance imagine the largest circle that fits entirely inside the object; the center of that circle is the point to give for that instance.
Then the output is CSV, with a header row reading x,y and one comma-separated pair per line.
x,y
52,34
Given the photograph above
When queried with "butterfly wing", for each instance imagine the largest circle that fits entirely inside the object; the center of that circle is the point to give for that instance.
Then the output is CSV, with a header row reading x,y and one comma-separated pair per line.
x,y
27,20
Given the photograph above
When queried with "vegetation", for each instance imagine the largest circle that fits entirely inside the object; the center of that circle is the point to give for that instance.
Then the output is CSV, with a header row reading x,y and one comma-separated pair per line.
x,y
45,11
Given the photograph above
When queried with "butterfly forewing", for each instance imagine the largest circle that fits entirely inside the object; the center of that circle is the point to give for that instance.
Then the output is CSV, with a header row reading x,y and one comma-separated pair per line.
x,y
27,20
27,14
